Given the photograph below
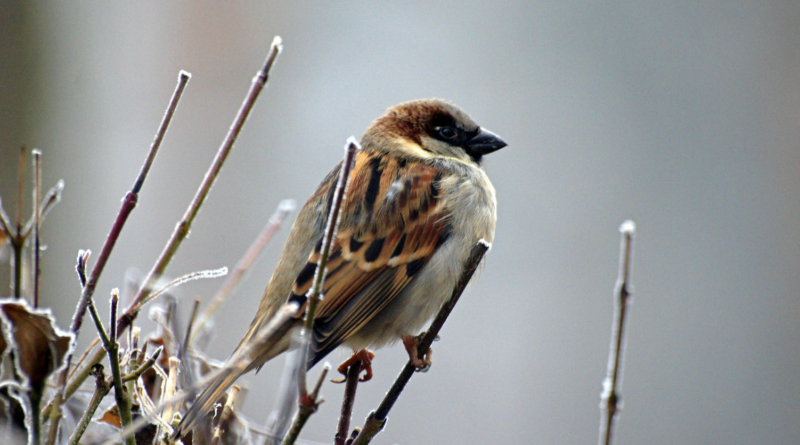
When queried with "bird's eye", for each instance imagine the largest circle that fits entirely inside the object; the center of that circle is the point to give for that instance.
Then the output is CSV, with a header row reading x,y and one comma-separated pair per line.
x,y
448,132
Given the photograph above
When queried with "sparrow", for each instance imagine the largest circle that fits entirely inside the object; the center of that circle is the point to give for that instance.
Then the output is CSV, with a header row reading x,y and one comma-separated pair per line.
x,y
417,202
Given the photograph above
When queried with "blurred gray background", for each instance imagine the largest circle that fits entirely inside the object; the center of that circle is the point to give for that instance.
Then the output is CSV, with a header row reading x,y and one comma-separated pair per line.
x,y
684,116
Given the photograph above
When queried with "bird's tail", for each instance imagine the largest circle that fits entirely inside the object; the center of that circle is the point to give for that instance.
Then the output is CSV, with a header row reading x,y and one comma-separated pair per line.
x,y
264,344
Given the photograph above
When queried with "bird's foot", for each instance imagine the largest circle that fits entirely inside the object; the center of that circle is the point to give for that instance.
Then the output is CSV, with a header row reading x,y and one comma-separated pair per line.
x,y
422,364
364,357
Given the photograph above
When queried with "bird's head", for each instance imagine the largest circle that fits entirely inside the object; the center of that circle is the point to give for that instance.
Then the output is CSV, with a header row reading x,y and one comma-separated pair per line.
x,y
432,128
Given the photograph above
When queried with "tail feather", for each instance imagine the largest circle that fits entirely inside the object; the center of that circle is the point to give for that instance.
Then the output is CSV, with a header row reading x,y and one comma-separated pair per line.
x,y
265,344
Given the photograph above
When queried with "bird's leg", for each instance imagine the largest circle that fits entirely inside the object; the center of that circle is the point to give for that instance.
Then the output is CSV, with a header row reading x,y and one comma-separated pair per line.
x,y
364,357
421,364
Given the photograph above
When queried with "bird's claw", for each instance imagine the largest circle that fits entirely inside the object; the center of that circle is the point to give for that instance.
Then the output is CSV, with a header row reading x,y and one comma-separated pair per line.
x,y
421,364
364,357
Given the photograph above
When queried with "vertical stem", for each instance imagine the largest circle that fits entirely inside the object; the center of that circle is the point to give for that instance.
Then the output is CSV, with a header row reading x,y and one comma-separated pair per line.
x,y
610,398
17,241
351,384
18,246
37,222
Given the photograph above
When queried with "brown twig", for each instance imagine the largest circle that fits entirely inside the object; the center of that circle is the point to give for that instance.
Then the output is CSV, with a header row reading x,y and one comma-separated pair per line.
x,y
253,252
183,227
306,409
237,363
308,402
102,387
610,400
37,222
351,384
88,286
133,375
17,240
377,419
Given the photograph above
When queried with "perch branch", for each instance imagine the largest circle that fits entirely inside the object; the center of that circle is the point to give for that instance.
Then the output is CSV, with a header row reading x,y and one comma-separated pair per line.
x,y
610,400
377,419
351,384
308,402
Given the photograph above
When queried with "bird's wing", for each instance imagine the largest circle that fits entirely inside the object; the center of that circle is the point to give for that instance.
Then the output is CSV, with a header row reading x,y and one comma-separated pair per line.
x,y
392,221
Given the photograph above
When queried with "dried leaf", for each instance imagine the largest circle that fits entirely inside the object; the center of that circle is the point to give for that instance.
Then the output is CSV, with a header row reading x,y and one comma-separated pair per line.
x,y
39,345
111,417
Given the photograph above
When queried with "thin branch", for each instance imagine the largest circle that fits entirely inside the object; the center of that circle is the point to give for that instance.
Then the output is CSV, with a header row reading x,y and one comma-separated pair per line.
x,y
102,387
183,80
112,347
308,402
17,240
351,384
37,225
237,363
88,286
52,198
610,400
183,227
216,273
144,367
5,223
377,419
89,349
189,328
253,252
224,419
306,409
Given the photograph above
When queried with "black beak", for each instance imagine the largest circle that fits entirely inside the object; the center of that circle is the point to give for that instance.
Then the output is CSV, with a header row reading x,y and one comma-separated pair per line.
x,y
483,143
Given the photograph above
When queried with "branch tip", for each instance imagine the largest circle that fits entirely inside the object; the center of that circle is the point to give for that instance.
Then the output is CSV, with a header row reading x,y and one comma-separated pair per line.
x,y
628,228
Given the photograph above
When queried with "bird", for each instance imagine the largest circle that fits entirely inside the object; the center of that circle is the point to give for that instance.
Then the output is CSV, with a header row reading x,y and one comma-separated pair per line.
x,y
418,200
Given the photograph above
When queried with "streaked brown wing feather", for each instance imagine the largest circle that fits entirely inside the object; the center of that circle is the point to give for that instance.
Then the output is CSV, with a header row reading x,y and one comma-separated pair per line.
x,y
393,220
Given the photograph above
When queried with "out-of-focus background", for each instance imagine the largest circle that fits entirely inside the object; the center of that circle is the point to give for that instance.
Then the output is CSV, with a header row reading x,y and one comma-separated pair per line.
x,y
682,116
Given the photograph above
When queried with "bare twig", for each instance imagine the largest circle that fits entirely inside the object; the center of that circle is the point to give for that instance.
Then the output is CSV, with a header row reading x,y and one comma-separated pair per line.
x,y
16,239
20,186
610,400
225,417
351,384
171,389
377,419
308,402
37,218
112,347
144,367
88,286
184,226
102,387
5,223
89,349
240,360
306,409
189,327
255,249
216,273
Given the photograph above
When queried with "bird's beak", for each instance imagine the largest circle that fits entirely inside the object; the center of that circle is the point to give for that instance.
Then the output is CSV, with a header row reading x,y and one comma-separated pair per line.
x,y
483,143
